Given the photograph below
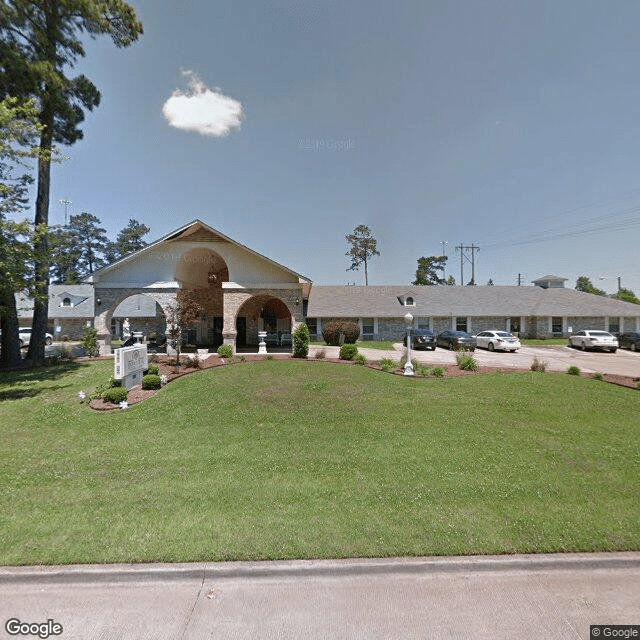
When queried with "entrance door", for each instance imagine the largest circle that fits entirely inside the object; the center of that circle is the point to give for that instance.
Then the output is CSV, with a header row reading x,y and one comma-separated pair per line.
x,y
241,328
216,338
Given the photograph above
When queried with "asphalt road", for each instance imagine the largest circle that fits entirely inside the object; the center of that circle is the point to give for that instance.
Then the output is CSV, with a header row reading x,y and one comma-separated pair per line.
x,y
541,597
557,357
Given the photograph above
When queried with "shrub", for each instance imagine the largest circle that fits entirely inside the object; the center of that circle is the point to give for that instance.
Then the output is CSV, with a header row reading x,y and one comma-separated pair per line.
x,y
270,357
225,351
466,361
437,372
301,341
573,370
90,341
193,361
638,384
387,364
321,354
538,365
154,370
348,351
114,382
332,330
598,376
66,352
243,358
151,381
115,395
360,359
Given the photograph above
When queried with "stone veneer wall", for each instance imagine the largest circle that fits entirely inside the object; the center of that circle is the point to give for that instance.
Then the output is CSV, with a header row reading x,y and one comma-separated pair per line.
x,y
72,328
584,322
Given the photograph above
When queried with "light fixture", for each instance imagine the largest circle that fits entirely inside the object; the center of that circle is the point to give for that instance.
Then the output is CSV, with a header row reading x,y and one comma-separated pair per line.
x,y
212,278
297,301
98,301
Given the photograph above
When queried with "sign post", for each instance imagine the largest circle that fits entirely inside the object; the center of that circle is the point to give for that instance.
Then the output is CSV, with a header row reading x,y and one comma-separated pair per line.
x,y
129,364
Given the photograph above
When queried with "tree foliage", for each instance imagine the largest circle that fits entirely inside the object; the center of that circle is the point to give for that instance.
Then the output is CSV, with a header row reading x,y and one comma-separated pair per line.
x,y
129,240
430,270
18,132
626,295
39,42
182,314
363,247
584,284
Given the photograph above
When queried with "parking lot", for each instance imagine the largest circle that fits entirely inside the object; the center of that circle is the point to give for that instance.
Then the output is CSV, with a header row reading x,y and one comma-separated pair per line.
x,y
557,358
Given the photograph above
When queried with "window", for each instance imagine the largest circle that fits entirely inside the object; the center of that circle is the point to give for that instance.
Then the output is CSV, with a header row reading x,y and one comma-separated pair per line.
x,y
556,326
514,325
461,324
66,302
409,302
614,325
368,328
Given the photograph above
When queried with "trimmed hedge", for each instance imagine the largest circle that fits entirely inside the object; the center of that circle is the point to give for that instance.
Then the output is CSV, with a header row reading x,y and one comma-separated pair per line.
x,y
153,370
151,381
332,330
115,395
348,351
301,341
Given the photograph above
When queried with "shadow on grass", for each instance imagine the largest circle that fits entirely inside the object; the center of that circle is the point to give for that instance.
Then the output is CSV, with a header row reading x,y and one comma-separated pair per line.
x,y
24,383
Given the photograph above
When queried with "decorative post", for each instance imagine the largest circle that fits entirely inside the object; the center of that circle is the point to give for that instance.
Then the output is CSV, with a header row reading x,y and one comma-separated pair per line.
x,y
408,367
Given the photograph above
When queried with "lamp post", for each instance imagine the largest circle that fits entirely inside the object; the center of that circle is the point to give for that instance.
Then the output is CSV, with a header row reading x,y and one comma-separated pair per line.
x,y
408,367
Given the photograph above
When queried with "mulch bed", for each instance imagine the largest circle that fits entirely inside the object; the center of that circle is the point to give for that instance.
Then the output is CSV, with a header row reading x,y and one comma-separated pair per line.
x,y
167,366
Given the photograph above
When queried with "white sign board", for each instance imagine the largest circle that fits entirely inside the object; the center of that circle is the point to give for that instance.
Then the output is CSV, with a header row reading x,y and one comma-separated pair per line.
x,y
130,363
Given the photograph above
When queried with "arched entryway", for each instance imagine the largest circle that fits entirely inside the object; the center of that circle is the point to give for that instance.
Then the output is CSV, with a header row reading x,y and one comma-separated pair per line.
x,y
264,313
139,313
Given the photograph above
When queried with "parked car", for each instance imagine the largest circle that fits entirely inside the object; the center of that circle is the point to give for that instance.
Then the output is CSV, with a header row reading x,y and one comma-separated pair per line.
x,y
630,340
456,340
501,340
591,339
25,337
422,339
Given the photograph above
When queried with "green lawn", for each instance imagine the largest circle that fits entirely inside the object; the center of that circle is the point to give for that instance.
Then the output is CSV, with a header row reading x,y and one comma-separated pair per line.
x,y
382,345
290,459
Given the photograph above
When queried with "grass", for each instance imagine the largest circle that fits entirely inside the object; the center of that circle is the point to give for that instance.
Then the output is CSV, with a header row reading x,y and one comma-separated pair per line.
x,y
282,459
538,342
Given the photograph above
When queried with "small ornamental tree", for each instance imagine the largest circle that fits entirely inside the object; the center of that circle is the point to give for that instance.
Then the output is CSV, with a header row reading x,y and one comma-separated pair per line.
x,y
332,330
90,341
181,314
301,341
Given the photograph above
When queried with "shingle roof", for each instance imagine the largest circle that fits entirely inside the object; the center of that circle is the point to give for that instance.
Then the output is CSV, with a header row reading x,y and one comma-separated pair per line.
x,y
504,301
81,295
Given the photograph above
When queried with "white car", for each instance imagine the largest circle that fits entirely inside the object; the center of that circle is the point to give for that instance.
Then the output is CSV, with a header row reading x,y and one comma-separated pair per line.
x,y
501,340
25,337
591,339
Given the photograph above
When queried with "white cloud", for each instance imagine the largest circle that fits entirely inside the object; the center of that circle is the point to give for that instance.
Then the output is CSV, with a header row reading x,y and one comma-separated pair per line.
x,y
203,110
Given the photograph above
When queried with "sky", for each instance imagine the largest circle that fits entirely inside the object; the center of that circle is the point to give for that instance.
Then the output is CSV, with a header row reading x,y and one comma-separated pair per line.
x,y
510,126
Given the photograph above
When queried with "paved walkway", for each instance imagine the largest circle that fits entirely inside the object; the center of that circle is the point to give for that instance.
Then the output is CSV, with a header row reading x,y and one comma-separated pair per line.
x,y
520,597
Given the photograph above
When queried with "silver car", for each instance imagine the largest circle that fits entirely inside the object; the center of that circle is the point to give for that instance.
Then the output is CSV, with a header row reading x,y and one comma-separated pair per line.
x,y
25,337
501,340
592,339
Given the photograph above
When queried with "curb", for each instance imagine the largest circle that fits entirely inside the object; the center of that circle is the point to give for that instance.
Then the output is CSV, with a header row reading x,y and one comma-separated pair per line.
x,y
293,569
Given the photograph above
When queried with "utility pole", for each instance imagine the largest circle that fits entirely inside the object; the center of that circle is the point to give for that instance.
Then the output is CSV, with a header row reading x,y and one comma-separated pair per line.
x,y
519,279
66,203
443,242
473,250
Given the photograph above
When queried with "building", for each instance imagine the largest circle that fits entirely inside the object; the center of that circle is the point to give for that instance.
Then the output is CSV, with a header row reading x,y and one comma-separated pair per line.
x,y
243,292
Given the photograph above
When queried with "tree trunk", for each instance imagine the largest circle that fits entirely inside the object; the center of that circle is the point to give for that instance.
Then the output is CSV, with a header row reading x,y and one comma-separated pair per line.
x,y
41,244
10,356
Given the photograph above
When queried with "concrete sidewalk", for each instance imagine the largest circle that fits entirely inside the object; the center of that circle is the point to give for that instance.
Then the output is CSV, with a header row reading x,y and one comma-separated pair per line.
x,y
553,597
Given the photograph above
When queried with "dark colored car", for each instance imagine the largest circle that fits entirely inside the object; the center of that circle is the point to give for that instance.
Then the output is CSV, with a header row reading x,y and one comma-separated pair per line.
x,y
422,339
630,340
456,340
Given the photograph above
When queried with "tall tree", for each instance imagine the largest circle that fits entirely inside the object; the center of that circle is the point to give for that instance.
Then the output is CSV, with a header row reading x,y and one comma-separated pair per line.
x,y
130,237
430,270
182,314
18,132
39,42
90,240
584,284
363,247
64,256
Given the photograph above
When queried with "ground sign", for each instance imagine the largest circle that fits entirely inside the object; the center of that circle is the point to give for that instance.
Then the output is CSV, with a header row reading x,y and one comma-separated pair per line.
x,y
129,364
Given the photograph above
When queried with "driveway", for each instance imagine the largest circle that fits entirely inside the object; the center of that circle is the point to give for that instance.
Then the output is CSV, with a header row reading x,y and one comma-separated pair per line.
x,y
557,357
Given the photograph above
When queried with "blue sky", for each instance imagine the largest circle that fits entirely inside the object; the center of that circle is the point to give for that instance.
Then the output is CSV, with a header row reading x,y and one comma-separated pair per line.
x,y
513,126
